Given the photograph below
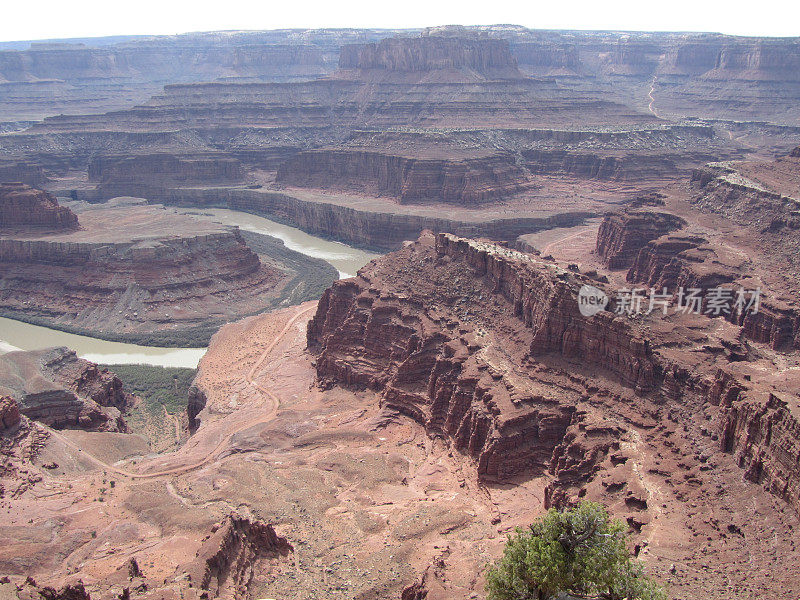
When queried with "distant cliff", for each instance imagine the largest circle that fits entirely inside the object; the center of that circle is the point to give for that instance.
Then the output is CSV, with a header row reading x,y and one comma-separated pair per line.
x,y
453,180
490,57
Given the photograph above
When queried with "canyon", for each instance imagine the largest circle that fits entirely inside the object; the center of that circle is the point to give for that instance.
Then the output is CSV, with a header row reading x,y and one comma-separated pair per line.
x,y
589,292
383,440
137,272
458,118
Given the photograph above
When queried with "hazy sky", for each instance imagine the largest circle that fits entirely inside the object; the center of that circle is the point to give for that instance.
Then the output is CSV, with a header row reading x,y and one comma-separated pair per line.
x,y
42,19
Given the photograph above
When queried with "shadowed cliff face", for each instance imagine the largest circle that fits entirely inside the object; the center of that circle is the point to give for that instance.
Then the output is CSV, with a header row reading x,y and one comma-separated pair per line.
x,y
462,181
621,237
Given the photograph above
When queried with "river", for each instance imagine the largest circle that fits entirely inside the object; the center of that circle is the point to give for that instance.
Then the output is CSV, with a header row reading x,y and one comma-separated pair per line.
x,y
16,335
345,259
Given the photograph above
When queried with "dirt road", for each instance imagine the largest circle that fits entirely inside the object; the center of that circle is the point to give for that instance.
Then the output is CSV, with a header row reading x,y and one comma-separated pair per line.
x,y
265,418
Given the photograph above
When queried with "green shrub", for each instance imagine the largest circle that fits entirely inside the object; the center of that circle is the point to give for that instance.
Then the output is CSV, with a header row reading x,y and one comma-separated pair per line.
x,y
581,552
157,386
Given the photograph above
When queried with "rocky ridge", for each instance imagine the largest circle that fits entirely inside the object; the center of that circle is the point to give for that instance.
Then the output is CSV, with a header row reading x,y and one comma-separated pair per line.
x,y
487,379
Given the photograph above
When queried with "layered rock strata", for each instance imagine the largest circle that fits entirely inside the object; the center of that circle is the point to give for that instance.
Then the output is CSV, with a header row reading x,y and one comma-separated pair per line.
x,y
58,389
684,260
478,56
764,436
362,227
621,236
23,208
166,169
674,262
180,273
371,332
464,181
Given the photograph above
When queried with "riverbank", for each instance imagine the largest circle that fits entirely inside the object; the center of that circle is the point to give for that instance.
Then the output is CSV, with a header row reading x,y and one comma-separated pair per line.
x,y
317,261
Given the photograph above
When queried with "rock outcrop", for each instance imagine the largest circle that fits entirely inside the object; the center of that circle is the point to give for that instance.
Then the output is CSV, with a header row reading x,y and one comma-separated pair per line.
x,y
765,438
373,331
9,412
228,559
685,262
621,236
676,260
30,590
21,442
196,402
58,389
23,208
465,181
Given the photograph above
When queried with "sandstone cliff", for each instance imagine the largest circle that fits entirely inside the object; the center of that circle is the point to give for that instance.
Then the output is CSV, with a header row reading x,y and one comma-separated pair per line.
x,y
486,347
621,236
379,230
25,208
179,274
370,332
485,57
166,169
764,436
463,181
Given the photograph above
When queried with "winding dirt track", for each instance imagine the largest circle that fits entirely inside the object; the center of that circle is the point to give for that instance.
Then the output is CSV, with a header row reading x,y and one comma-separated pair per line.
x,y
547,248
224,442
